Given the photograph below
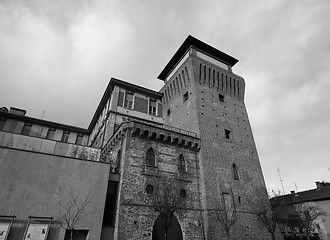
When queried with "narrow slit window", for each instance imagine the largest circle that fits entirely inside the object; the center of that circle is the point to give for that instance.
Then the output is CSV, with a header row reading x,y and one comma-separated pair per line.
x,y
235,172
182,164
221,98
185,97
168,112
227,134
150,157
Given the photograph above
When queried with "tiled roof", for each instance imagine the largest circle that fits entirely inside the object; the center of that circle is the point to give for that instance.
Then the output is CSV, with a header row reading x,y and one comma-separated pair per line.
x,y
318,194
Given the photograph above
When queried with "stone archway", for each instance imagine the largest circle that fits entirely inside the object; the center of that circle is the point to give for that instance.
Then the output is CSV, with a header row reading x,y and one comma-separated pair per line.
x,y
174,231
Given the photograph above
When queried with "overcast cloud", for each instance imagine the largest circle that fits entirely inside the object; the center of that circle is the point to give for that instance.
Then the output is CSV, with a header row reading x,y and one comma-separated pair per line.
x,y
58,56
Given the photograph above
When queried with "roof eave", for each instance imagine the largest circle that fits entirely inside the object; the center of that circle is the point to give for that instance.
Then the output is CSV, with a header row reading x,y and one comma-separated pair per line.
x,y
201,46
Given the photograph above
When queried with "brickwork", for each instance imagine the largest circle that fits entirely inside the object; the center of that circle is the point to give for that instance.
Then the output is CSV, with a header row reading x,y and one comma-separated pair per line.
x,y
173,104
215,109
135,213
199,132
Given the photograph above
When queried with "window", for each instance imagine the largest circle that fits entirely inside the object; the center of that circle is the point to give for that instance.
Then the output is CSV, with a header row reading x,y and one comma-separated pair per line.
x,y
185,97
65,137
79,139
183,193
227,134
168,112
116,169
152,107
26,129
229,205
150,157
77,234
182,164
50,133
235,172
2,123
149,189
129,100
221,98
119,156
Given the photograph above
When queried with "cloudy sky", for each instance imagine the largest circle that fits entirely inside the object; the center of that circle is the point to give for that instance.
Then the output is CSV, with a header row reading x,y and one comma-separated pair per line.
x,y
58,56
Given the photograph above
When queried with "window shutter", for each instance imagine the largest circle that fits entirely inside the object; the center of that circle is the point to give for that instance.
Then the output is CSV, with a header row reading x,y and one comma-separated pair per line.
x,y
120,99
141,105
160,110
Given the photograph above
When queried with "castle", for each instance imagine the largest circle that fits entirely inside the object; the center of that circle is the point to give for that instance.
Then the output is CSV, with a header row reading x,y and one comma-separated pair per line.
x,y
180,158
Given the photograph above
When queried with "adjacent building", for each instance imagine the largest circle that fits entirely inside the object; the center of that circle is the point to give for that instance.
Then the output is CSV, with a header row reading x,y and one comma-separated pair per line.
x,y
310,203
191,140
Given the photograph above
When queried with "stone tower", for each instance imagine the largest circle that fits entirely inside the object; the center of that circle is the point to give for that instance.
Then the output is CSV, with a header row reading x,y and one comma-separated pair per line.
x,y
203,95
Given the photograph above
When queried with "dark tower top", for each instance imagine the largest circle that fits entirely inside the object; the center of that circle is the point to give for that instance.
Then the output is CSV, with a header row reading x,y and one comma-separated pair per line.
x,y
204,48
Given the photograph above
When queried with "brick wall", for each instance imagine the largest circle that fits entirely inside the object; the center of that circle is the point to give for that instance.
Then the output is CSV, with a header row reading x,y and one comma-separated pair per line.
x,y
135,213
209,116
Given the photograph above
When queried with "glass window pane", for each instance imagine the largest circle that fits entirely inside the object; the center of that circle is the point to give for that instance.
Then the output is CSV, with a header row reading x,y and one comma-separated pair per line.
x,y
2,123
26,129
50,134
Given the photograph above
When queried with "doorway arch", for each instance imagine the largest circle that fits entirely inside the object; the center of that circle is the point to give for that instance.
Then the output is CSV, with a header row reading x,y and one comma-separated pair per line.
x,y
174,231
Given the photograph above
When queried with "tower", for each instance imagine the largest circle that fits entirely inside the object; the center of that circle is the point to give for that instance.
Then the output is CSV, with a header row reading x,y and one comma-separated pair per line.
x,y
203,95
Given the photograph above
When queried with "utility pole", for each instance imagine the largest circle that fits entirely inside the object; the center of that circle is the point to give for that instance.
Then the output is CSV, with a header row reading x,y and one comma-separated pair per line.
x,y
278,170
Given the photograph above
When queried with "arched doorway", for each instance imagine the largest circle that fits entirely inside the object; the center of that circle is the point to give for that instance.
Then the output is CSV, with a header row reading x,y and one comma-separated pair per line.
x,y
173,232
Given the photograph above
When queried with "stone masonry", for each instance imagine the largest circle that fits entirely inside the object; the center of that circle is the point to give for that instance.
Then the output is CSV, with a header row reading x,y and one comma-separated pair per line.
x,y
135,215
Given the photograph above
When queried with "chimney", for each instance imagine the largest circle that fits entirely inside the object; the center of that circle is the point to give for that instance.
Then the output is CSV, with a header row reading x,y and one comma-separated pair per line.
x,y
318,184
292,192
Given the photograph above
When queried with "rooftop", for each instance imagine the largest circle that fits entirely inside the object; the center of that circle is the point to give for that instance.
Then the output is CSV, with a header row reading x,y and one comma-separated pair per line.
x,y
201,46
322,192
129,86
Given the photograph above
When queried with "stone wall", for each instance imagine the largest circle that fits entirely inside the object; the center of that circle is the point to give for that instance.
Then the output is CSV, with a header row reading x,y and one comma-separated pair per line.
x,y
135,210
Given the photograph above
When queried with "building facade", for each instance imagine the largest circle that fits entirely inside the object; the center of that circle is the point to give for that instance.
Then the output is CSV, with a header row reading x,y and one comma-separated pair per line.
x,y
314,205
158,164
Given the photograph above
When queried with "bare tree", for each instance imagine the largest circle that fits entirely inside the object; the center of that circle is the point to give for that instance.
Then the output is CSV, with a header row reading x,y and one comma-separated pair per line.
x,y
227,218
73,210
268,215
169,198
302,219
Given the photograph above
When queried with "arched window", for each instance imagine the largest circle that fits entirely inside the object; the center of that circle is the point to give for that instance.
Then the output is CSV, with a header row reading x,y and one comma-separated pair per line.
x,y
150,157
117,164
235,172
182,164
118,156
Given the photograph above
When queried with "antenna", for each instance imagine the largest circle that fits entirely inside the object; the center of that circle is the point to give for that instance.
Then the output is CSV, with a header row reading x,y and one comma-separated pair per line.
x,y
43,114
295,185
278,170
